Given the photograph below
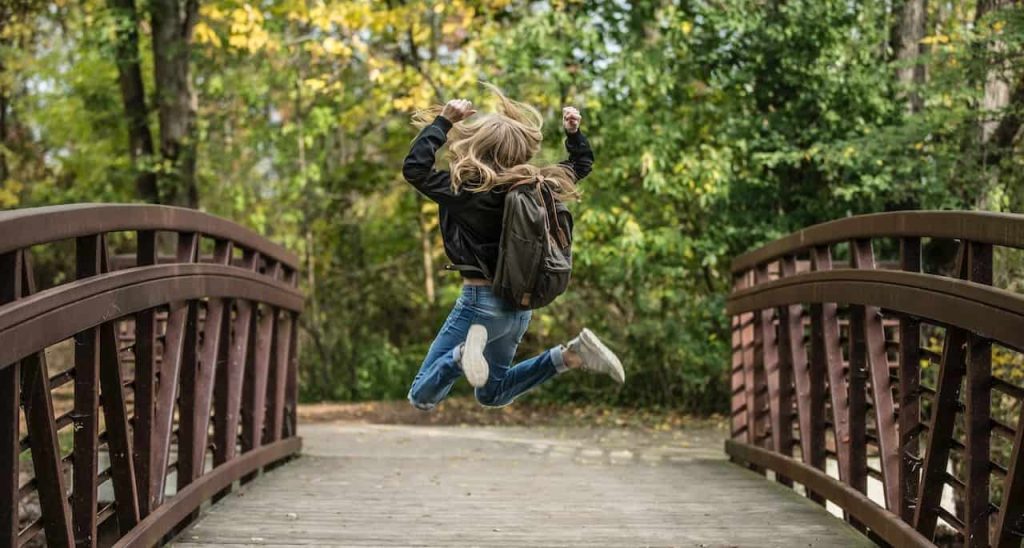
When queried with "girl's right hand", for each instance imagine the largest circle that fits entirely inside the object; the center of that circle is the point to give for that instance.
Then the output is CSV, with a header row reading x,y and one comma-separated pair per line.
x,y
458,110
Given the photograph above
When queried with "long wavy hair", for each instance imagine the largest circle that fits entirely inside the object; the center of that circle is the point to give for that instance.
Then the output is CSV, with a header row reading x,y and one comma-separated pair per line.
x,y
492,151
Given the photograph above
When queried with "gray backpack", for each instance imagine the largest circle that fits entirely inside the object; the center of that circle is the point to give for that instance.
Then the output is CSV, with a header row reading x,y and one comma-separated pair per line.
x,y
535,253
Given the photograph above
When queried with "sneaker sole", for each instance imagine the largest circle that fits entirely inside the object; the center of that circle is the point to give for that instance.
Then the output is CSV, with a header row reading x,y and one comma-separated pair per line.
x,y
474,365
615,372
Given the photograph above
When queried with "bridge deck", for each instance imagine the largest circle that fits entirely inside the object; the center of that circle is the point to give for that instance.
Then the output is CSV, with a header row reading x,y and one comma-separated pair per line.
x,y
371,485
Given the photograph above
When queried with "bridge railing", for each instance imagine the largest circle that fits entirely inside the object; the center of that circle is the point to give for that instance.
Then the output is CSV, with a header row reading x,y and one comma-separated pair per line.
x,y
853,379
129,397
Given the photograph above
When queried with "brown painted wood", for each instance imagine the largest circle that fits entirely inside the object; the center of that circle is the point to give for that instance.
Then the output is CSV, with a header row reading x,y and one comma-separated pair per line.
x,y
197,398
88,250
254,394
292,377
118,431
241,354
179,354
809,389
747,342
856,385
943,417
145,382
89,309
37,403
10,413
780,401
740,411
826,357
169,515
978,415
278,381
888,528
909,387
881,384
254,398
1008,529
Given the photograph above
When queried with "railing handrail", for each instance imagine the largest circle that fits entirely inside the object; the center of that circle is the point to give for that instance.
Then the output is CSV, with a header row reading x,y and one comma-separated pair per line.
x,y
29,323
23,228
858,385
191,359
1002,229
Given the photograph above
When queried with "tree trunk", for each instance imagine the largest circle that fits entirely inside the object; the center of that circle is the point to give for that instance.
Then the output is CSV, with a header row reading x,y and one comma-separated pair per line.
x,y
995,135
173,21
133,95
997,88
909,31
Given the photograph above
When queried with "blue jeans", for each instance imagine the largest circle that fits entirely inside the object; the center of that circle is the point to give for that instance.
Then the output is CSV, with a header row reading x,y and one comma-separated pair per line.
x,y
505,328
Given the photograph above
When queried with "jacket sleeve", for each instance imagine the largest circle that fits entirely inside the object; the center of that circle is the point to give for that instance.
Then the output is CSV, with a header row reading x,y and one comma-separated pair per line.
x,y
418,167
581,156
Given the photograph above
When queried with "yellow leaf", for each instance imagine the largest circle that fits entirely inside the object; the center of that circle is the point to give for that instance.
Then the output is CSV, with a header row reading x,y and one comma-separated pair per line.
x,y
205,35
314,84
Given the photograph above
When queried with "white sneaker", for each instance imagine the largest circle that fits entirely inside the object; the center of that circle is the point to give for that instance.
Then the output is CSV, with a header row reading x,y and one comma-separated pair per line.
x,y
474,365
597,357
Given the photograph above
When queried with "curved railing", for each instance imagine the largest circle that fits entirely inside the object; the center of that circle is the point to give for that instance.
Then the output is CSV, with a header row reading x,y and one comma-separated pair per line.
x,y
874,387
129,397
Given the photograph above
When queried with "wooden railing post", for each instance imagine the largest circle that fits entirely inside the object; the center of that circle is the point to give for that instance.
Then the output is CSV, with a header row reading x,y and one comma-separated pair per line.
x,y
978,413
741,425
827,358
10,413
85,417
945,407
254,397
873,338
747,342
115,414
809,387
779,386
42,436
178,354
230,379
178,376
909,391
145,383
198,384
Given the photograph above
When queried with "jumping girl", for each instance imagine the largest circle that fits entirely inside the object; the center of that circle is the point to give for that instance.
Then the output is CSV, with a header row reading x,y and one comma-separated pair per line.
x,y
487,154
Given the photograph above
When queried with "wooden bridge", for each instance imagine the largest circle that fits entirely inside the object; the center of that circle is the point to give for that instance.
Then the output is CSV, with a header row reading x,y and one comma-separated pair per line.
x,y
149,396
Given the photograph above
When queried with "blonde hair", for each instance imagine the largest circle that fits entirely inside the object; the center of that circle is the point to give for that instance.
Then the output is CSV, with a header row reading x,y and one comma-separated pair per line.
x,y
493,150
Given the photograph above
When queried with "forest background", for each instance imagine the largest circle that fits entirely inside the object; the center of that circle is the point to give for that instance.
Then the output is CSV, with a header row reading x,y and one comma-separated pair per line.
x,y
717,124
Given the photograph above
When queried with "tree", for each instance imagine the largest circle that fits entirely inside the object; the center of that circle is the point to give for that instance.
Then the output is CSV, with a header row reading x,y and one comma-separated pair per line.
x,y
173,22
133,94
910,27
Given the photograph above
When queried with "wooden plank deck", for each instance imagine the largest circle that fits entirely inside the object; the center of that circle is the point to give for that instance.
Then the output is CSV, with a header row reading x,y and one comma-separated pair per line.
x,y
374,485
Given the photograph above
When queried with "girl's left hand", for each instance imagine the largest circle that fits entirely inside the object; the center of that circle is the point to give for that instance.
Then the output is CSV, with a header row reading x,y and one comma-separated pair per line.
x,y
571,119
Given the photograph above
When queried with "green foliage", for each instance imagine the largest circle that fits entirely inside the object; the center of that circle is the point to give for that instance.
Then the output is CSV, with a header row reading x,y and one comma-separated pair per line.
x,y
717,126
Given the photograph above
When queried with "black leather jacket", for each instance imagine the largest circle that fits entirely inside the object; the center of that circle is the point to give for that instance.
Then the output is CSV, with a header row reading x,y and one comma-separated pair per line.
x,y
471,221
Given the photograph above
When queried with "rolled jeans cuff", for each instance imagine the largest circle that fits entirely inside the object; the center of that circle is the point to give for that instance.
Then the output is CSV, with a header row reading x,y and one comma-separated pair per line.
x,y
558,359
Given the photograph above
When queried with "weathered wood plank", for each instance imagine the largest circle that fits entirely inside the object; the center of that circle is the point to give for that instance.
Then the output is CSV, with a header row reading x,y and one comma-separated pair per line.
x,y
362,485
